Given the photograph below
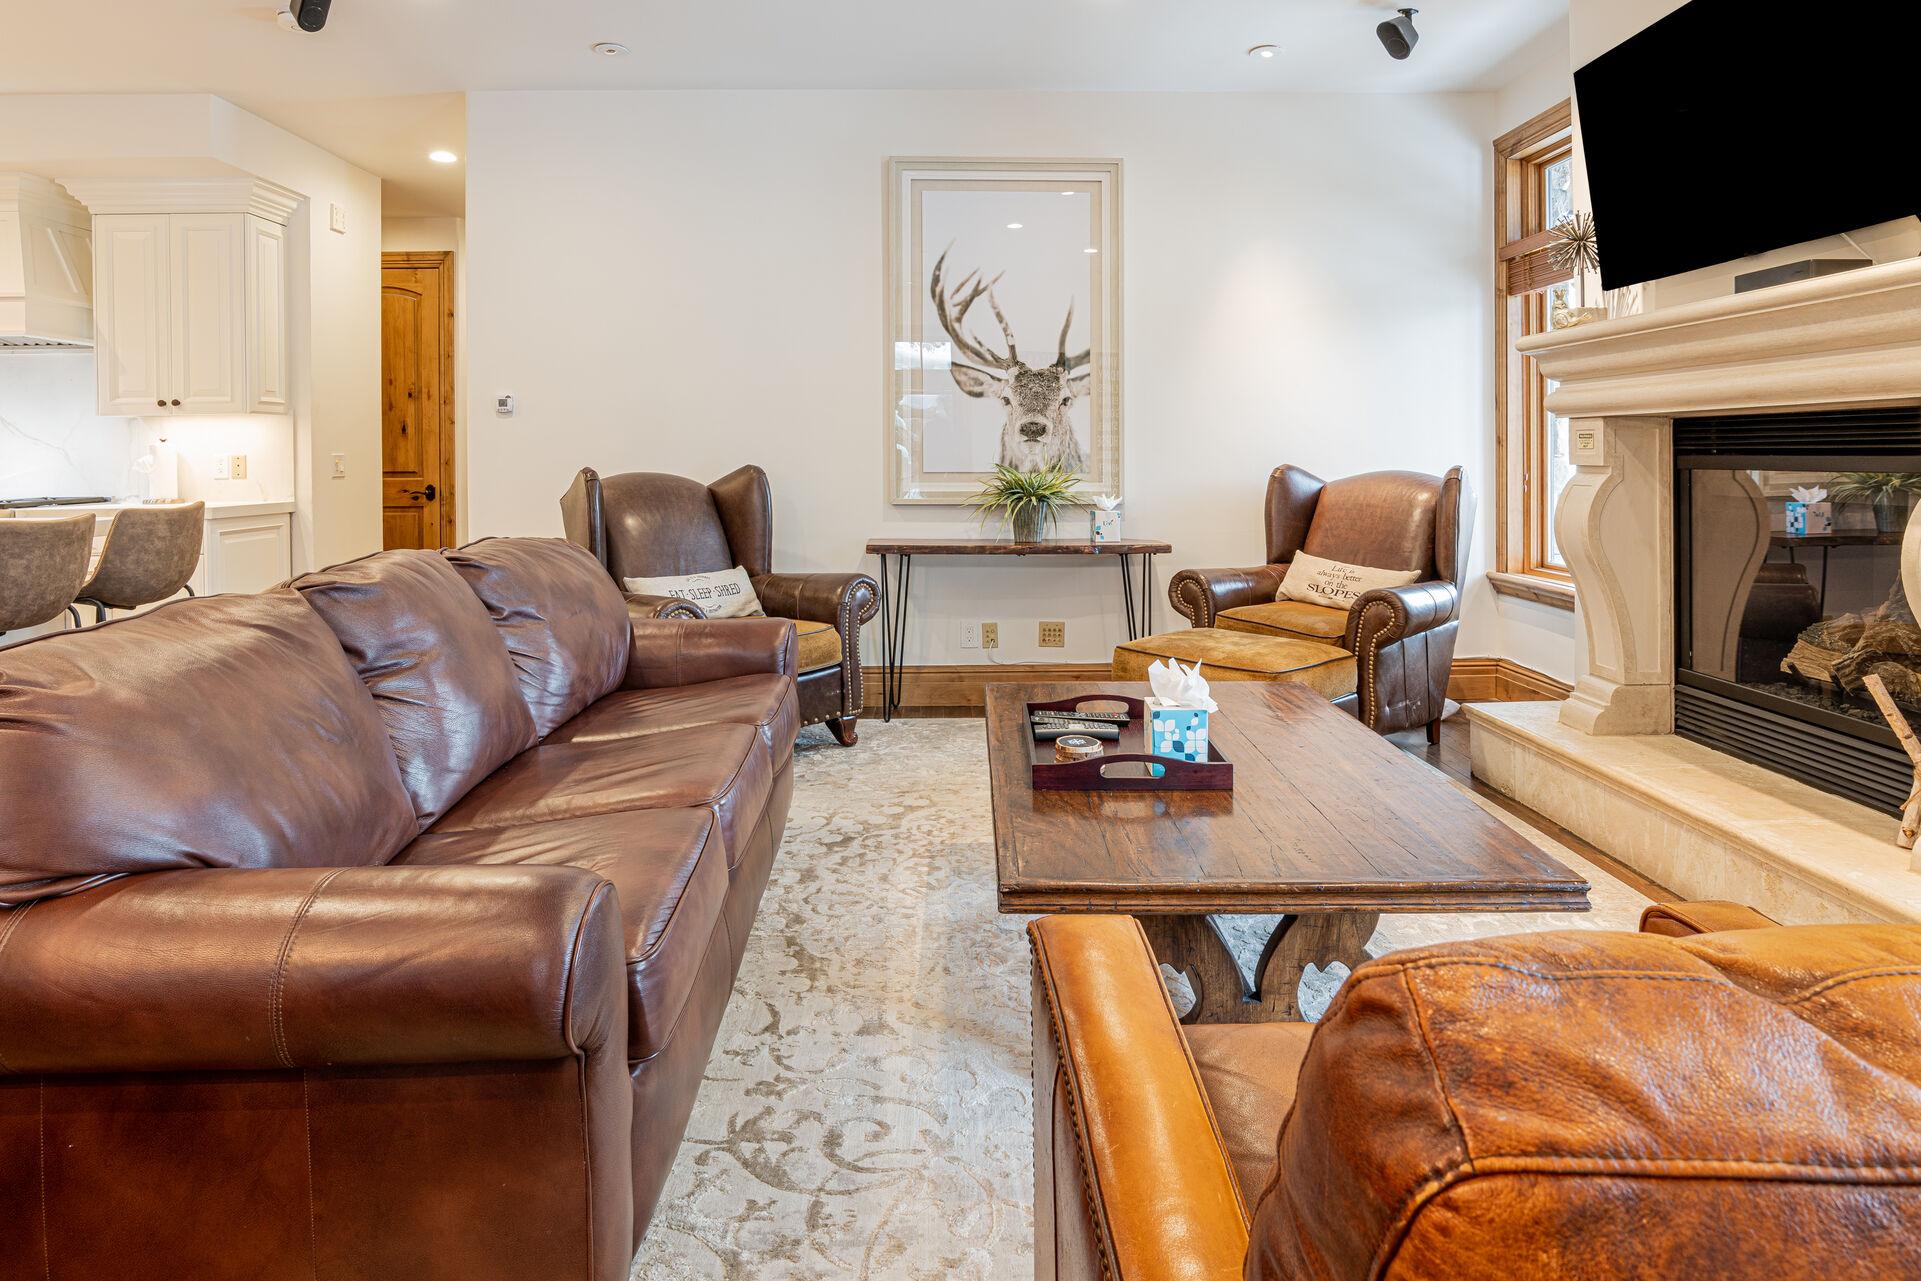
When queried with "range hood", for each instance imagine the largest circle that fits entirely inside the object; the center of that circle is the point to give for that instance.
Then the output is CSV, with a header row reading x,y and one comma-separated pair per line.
x,y
46,265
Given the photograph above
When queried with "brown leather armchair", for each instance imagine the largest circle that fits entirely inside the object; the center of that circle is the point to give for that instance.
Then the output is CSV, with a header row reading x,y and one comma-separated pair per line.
x,y
1711,1098
652,525
1402,637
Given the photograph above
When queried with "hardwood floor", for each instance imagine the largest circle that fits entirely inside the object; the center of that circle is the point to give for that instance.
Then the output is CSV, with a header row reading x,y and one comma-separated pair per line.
x,y
1450,756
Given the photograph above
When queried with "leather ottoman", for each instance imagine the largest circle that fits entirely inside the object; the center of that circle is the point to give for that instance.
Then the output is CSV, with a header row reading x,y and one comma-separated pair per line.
x,y
1225,655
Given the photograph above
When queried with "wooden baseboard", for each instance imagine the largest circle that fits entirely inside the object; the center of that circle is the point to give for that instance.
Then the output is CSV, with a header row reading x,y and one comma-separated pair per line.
x,y
1501,680
954,689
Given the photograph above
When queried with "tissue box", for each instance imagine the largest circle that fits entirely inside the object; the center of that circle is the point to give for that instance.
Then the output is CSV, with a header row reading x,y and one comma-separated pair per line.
x,y
1103,526
1179,733
1810,518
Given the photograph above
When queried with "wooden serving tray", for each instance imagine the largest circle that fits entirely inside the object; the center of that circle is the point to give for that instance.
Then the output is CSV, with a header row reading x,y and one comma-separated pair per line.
x,y
1125,765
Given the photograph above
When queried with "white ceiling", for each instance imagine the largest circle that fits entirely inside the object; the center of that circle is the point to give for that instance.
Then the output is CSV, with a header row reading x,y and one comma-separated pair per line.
x,y
380,86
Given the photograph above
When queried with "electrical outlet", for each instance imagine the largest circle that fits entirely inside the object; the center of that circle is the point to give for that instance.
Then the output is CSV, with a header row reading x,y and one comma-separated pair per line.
x,y
970,635
990,635
1053,635
223,467
340,466
240,467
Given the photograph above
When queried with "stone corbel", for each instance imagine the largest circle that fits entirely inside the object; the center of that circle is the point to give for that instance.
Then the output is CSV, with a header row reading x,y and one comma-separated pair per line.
x,y
1615,526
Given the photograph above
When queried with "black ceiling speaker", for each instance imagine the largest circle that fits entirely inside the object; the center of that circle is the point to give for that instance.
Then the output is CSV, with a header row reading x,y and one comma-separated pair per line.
x,y
311,15
1398,35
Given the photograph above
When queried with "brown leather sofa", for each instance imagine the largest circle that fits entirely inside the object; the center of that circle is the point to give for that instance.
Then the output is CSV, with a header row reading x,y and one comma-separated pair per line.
x,y
1401,637
652,525
1714,1098
378,925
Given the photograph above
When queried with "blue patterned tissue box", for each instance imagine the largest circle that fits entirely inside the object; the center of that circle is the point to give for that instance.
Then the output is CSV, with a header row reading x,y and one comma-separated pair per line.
x,y
1179,733
1806,519
1103,526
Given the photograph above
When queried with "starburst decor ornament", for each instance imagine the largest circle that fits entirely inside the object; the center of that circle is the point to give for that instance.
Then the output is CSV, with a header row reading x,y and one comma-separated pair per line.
x,y
1577,249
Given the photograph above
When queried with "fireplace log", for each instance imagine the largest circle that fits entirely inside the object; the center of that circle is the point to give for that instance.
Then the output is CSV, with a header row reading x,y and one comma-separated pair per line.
x,y
1911,812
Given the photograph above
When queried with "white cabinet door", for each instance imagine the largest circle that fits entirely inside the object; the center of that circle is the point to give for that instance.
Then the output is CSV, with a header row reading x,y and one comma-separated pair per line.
x,y
208,279
266,316
131,259
245,554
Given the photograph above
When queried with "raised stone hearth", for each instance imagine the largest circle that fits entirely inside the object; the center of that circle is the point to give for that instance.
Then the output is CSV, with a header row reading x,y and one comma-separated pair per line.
x,y
1606,764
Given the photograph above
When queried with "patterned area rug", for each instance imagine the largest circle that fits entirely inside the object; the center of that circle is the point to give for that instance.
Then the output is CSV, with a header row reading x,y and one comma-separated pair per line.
x,y
867,1111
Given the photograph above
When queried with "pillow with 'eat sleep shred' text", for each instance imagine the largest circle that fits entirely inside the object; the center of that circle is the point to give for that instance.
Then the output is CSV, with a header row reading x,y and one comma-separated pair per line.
x,y
1329,582
727,594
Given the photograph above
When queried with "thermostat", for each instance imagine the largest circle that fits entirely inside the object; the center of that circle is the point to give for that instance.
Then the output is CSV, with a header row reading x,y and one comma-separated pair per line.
x,y
503,404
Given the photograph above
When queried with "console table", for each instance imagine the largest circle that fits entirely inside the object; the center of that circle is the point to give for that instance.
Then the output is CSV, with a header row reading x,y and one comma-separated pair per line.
x,y
893,602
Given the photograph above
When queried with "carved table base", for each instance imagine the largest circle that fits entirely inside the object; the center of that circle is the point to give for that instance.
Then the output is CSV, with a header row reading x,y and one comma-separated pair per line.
x,y
1192,945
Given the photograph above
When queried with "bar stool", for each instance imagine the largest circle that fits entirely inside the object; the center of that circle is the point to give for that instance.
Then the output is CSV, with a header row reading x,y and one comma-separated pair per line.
x,y
150,553
42,565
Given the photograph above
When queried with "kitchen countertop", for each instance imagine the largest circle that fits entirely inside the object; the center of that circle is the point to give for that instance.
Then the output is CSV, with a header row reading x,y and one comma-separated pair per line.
x,y
216,509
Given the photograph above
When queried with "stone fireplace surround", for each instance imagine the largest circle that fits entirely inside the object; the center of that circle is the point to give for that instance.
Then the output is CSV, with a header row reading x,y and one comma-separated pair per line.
x,y
1605,763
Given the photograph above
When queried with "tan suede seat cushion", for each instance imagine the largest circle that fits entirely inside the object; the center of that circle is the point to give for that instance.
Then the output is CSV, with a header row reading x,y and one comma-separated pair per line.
x,y
1326,669
1248,1072
818,644
1294,619
669,872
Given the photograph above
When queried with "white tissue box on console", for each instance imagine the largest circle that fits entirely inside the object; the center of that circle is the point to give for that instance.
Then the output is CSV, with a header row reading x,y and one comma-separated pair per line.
x,y
1103,526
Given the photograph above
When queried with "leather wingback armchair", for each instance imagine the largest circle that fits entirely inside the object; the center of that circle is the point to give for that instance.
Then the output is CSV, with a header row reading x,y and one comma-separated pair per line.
x,y
1713,1098
653,525
1402,637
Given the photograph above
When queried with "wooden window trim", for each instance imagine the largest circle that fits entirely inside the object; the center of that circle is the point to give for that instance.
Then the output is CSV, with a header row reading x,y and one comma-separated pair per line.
x,y
1520,431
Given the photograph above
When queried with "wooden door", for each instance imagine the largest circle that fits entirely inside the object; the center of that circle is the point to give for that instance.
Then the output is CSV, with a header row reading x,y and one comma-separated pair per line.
x,y
417,399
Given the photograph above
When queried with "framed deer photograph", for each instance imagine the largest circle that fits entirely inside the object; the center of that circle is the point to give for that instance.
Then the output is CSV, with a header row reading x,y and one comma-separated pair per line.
x,y
1003,323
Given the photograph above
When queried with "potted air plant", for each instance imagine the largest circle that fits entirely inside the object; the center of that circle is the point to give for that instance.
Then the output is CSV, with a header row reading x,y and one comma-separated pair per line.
x,y
1027,499
1878,489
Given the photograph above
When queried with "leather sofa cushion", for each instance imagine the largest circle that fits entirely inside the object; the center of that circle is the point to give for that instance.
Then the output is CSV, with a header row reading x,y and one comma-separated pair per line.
x,y
564,620
1731,1105
1291,619
426,650
1326,669
668,870
1384,519
223,732
1247,1071
765,701
720,766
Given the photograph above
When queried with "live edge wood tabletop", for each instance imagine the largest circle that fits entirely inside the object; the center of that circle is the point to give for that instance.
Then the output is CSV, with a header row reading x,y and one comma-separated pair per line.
x,y
1328,823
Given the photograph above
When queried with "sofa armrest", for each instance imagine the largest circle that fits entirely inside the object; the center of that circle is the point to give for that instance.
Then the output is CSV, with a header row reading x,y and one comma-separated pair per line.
x,y
1201,594
677,651
1159,1189
1389,614
257,970
1680,920
641,605
845,600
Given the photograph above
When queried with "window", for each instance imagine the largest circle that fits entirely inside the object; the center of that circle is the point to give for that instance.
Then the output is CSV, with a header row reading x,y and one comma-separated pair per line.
x,y
1533,192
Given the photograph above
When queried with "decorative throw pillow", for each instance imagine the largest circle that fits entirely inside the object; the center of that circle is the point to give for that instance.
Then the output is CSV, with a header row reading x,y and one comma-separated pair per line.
x,y
727,594
1329,582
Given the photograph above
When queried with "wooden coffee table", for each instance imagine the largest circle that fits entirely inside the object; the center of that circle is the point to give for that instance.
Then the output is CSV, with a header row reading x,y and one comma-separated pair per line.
x,y
1328,823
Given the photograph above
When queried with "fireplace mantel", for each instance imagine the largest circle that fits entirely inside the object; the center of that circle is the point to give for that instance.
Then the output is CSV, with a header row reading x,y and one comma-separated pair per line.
x,y
1842,341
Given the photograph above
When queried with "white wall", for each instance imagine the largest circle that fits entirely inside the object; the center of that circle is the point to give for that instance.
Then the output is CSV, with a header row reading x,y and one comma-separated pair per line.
x,y
685,282
400,235
333,285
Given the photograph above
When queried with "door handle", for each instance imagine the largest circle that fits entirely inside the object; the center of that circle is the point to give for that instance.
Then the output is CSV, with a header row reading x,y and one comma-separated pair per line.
x,y
425,495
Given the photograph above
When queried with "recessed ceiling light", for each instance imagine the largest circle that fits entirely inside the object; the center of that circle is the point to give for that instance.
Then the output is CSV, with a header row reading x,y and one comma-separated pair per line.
x,y
1090,250
1263,51
442,157
1013,226
1067,193
608,48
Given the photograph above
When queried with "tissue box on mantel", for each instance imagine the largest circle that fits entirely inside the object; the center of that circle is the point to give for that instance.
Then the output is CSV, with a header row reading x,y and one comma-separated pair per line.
x,y
1805,519
1179,733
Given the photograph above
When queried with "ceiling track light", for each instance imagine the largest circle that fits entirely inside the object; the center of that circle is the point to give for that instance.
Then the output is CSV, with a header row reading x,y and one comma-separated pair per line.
x,y
1398,35
309,15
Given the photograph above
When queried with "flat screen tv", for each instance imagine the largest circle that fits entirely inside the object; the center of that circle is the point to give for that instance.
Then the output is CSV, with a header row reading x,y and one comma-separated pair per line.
x,y
1733,127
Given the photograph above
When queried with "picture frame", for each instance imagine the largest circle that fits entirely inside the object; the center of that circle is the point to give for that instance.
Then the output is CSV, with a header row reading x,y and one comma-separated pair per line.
x,y
1003,335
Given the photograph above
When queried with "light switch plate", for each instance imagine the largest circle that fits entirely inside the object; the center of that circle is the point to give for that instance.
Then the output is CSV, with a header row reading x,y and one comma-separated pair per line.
x,y
337,218
340,466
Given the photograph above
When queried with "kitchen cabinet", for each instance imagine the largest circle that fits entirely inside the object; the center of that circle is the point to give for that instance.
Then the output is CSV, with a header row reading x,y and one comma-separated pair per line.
x,y
190,295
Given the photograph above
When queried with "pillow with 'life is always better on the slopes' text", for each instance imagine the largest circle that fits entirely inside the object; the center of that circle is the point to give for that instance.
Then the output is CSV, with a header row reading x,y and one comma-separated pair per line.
x,y
727,594
1329,582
